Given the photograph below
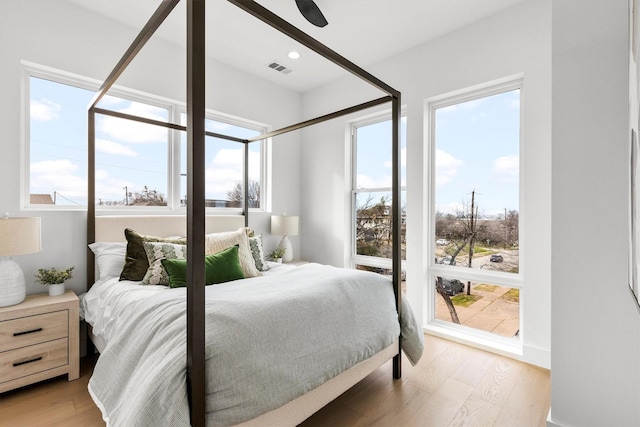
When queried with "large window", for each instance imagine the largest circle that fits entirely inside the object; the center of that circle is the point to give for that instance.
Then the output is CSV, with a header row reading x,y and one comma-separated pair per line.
x,y
371,192
137,165
225,165
475,273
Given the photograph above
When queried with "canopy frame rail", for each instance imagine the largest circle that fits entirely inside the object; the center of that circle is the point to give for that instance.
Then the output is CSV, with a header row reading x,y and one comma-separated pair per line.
x,y
196,133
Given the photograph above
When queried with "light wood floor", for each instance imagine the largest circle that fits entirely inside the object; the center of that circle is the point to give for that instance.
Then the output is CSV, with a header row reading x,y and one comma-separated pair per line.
x,y
453,385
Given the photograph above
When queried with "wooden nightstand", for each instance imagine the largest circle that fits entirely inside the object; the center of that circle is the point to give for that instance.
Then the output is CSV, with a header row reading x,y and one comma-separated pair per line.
x,y
39,340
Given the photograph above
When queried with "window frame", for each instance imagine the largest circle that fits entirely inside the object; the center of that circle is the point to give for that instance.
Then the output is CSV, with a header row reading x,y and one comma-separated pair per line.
x,y
513,280
174,109
354,258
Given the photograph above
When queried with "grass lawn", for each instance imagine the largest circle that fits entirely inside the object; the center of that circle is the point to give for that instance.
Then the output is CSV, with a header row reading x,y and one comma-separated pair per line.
x,y
464,300
512,295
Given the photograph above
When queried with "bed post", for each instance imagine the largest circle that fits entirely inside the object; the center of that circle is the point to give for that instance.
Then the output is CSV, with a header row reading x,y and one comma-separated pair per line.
x,y
397,220
245,187
91,194
196,210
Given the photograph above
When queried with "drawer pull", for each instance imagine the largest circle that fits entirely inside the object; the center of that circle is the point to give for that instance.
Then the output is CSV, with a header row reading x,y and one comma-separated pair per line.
x,y
27,361
17,334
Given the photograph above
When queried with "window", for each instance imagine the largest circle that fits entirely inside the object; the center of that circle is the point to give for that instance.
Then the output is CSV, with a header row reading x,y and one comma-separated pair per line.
x,y
475,273
225,165
134,161
371,192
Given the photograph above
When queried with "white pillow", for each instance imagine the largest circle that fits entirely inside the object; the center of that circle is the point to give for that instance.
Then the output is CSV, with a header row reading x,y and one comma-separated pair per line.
x,y
216,242
110,257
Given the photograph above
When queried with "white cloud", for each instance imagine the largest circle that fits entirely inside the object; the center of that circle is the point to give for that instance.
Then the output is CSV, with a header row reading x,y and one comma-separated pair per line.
x,y
450,208
507,168
131,131
225,170
44,110
58,175
447,167
109,188
110,147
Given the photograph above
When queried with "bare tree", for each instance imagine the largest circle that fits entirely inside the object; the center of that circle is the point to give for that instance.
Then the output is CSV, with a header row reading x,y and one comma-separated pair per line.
x,y
146,197
236,194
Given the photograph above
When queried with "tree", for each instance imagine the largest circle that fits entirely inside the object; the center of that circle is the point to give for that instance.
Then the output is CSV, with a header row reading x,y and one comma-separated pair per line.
x,y
373,227
236,194
146,197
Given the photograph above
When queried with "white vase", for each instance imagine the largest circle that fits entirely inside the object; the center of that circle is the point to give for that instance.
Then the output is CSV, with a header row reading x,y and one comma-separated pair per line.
x,y
56,289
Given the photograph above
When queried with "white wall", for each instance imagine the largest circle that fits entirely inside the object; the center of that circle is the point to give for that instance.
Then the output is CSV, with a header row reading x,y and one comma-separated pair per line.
x,y
595,364
66,37
516,41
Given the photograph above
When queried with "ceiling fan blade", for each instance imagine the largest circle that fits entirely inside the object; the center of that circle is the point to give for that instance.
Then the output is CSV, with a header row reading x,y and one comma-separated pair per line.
x,y
311,12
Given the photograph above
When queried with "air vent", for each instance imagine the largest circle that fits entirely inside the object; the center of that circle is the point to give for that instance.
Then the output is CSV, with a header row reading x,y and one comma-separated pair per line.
x,y
279,67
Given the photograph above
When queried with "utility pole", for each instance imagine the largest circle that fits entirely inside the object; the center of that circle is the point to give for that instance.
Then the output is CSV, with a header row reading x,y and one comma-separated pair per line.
x,y
126,195
472,226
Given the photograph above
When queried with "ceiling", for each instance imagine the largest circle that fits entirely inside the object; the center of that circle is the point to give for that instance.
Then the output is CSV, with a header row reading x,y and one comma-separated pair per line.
x,y
363,31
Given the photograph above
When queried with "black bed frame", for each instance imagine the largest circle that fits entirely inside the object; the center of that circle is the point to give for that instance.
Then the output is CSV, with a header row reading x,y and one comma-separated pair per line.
x,y
196,133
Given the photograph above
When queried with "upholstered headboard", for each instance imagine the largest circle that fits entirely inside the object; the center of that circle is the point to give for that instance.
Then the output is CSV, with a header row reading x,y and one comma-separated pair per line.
x,y
110,228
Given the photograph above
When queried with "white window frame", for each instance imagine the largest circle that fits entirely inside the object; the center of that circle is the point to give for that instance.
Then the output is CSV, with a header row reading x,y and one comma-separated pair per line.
x,y
354,258
175,108
513,280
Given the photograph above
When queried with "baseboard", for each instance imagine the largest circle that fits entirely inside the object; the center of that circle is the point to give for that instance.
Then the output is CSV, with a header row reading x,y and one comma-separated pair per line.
x,y
537,356
551,423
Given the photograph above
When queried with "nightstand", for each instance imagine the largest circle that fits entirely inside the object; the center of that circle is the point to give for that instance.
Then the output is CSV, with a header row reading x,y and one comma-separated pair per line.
x,y
39,340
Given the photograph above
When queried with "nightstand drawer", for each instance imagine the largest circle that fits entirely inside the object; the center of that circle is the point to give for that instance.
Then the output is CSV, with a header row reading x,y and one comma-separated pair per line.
x,y
31,330
33,359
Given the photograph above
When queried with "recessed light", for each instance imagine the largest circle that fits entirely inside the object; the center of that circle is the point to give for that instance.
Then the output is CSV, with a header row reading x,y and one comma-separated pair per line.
x,y
294,55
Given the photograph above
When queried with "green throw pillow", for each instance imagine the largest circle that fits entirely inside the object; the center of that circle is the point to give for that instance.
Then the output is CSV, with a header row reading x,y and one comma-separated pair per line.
x,y
220,267
136,262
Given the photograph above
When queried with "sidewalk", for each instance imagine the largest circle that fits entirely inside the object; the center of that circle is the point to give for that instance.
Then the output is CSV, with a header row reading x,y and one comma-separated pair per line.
x,y
495,312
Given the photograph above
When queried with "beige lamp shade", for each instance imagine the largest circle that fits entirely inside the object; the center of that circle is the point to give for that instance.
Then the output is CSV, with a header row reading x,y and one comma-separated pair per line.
x,y
19,236
284,225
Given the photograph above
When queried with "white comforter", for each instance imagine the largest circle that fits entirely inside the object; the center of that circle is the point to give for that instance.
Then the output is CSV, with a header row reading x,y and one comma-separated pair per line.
x,y
269,340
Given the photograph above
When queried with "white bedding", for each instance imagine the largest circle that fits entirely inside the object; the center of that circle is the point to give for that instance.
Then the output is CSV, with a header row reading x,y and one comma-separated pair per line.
x,y
269,340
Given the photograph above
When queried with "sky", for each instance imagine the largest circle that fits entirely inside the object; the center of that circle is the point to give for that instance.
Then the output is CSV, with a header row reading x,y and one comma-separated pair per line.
x,y
129,155
477,148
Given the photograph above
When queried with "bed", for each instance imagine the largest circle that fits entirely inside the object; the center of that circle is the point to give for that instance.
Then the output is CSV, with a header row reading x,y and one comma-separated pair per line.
x,y
279,345
190,382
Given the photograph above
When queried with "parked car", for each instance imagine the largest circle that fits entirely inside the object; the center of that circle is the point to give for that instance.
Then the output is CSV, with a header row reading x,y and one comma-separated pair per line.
x,y
442,242
448,261
452,286
496,258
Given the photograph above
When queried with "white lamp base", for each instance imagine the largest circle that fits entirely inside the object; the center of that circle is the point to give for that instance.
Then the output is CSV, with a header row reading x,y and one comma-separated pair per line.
x,y
12,287
285,244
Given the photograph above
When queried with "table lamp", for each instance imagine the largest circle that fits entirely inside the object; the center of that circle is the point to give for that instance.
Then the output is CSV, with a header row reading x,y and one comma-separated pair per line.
x,y
18,236
283,225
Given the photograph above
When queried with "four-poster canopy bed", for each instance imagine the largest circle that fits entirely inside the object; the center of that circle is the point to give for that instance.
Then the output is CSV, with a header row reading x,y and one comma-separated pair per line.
x,y
102,229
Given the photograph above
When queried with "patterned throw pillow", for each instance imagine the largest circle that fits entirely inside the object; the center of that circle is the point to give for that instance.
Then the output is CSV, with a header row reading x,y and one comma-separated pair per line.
x,y
216,242
137,263
156,252
257,251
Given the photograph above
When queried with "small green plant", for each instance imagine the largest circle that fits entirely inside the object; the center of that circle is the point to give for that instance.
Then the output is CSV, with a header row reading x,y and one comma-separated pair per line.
x,y
276,254
51,276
